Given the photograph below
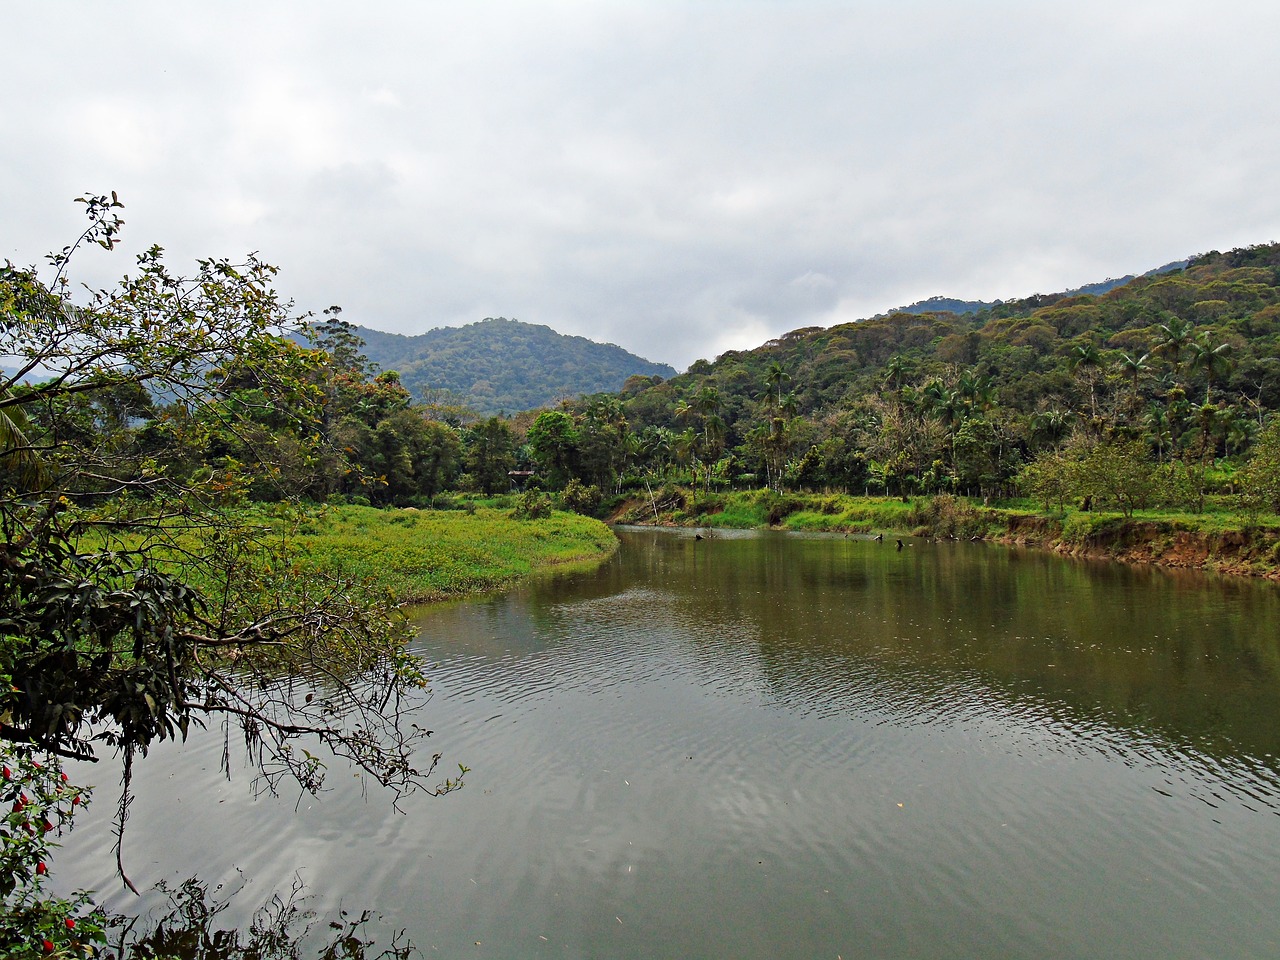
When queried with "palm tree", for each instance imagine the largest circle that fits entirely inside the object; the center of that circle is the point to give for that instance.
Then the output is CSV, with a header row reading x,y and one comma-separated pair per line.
x,y
656,448
896,371
1048,426
1241,430
984,393
967,386
932,395
1157,423
686,451
18,458
775,377
1086,356
1213,361
1173,339
1133,368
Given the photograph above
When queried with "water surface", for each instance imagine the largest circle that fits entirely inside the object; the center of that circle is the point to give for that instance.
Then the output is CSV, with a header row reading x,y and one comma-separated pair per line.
x,y
779,746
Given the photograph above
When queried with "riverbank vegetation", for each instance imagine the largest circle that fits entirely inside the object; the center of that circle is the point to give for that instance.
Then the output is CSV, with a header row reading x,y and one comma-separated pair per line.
x,y
425,555
1219,538
1158,394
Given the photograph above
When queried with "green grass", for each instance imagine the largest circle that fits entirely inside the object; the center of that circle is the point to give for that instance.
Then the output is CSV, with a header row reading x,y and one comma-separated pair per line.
x,y
414,555
841,512
428,554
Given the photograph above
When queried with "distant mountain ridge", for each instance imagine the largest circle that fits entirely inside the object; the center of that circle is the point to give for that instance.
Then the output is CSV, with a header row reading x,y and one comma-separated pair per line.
x,y
500,365
949,305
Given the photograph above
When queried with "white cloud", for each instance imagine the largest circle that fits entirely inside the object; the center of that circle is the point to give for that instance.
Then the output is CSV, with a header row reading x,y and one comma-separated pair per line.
x,y
679,178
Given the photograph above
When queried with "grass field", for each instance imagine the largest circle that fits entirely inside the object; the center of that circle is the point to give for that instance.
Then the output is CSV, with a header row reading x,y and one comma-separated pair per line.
x,y
425,555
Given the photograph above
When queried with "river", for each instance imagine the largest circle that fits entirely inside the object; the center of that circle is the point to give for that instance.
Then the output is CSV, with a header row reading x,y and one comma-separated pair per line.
x,y
762,745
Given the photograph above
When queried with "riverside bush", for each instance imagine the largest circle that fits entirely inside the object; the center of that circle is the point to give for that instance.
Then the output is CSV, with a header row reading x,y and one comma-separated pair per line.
x,y
40,803
532,506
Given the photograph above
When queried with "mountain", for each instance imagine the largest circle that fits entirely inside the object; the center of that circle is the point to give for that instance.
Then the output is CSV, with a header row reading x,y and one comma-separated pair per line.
x,y
505,365
949,305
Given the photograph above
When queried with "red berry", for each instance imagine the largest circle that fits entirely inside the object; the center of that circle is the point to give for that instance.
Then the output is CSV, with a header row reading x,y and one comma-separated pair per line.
x,y
71,924
48,946
75,801
63,776
7,773
41,868
47,826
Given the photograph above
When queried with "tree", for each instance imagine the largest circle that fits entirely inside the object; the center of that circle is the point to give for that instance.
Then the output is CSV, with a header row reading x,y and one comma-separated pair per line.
x,y
1049,478
1133,368
490,455
1260,478
708,403
339,339
775,377
553,439
1212,361
1172,340
133,601
602,440
1117,472
896,371
1087,357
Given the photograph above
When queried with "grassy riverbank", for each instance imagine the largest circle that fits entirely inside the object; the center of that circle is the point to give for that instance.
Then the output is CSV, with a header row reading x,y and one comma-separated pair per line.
x,y
412,556
1218,539
422,555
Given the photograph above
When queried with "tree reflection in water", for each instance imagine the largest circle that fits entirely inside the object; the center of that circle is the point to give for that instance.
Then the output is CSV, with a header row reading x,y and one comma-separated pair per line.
x,y
283,928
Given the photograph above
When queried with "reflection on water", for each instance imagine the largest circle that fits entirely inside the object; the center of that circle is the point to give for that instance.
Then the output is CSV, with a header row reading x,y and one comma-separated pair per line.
x,y
769,746
191,926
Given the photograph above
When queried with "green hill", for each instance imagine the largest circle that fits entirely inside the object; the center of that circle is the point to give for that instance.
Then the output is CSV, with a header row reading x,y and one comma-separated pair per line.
x,y
505,365
1186,361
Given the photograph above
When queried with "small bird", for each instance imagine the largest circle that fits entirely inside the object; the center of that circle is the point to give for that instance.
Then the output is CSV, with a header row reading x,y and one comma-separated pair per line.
x,y
878,538
900,544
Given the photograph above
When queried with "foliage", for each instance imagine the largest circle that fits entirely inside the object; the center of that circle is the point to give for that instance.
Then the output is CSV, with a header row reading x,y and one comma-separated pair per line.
x,y
532,505
951,517
553,441
1260,478
931,402
581,498
490,455
39,804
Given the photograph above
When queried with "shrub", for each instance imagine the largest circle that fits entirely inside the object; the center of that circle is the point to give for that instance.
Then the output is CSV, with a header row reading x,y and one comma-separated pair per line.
x,y
581,498
944,515
39,804
532,505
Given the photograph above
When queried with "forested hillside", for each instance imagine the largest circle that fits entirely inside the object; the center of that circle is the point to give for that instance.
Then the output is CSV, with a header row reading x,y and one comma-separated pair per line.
x,y
499,365
1176,374
1162,391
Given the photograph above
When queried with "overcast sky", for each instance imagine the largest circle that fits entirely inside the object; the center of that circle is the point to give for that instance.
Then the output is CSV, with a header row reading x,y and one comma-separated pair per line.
x,y
679,178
